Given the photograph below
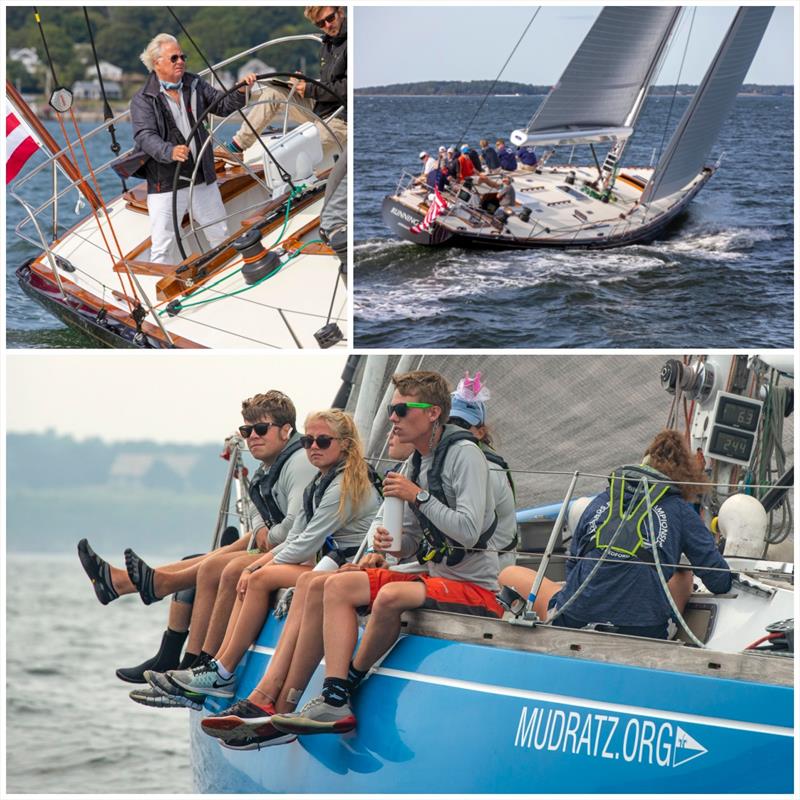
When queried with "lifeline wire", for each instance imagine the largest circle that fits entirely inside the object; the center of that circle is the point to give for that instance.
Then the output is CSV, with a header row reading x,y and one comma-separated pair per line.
x,y
502,70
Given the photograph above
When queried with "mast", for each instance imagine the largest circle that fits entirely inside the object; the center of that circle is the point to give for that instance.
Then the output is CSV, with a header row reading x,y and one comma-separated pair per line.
x,y
601,92
686,153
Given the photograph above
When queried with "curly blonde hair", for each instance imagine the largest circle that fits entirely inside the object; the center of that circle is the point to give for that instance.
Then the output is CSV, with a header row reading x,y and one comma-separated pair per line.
x,y
356,483
669,453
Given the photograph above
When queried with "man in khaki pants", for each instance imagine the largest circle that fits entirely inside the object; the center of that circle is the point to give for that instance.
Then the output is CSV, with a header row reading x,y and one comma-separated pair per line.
x,y
333,73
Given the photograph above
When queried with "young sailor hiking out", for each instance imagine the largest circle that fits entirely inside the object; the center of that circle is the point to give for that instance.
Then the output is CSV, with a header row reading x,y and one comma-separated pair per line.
x,y
450,496
626,593
277,493
338,507
246,725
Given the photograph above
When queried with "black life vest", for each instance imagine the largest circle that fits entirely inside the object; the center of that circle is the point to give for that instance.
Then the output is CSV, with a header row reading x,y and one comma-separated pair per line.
x,y
312,497
494,457
261,490
435,545
625,527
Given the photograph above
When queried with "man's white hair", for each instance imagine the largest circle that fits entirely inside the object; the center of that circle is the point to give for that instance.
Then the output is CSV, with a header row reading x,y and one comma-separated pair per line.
x,y
153,50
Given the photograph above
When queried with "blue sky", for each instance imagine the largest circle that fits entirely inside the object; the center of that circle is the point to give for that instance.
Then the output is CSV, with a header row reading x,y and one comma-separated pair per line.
x,y
463,42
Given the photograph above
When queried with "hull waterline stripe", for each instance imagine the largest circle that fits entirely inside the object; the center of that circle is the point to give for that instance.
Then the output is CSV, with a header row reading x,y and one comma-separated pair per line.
x,y
548,697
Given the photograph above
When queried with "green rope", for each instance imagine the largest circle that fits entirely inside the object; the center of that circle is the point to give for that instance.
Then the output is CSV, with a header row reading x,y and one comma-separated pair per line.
x,y
295,191
253,285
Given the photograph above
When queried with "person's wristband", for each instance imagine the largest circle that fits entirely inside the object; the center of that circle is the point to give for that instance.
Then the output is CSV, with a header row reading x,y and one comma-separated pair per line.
x,y
253,569
369,551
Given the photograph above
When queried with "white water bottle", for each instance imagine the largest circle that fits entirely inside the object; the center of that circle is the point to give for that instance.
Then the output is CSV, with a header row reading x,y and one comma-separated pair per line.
x,y
393,521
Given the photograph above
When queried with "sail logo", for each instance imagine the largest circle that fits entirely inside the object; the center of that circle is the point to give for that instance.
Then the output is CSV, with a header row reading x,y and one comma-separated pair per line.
x,y
632,740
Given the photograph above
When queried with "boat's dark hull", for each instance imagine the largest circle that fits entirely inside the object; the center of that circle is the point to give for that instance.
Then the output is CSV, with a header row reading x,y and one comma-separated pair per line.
x,y
398,217
104,330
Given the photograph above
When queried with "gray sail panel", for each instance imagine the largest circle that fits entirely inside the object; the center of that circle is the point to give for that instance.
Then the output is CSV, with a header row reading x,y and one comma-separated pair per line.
x,y
603,80
700,125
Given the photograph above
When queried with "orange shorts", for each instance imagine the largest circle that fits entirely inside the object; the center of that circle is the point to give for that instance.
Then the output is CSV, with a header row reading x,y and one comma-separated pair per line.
x,y
441,594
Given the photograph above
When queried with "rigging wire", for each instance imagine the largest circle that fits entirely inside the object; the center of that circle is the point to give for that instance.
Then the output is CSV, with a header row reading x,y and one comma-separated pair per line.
x,y
502,70
675,88
59,116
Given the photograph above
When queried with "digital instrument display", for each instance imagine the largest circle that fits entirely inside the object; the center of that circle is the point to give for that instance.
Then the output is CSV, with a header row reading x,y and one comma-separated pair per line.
x,y
731,444
738,412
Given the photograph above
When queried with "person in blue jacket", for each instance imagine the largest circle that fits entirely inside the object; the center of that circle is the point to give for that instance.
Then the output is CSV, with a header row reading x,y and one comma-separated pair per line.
x,y
626,591
527,155
508,161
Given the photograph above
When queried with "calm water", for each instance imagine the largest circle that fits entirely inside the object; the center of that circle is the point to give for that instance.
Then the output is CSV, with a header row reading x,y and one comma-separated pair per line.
x,y
70,725
724,278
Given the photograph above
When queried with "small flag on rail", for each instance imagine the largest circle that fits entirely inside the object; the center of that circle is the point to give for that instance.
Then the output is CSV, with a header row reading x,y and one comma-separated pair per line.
x,y
20,146
438,205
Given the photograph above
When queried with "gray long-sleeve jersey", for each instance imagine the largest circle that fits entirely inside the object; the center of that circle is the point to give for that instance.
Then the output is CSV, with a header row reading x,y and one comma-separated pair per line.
x,y
307,536
287,492
470,511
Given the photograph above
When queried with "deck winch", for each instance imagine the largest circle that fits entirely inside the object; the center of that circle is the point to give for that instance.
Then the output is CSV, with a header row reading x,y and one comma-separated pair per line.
x,y
258,261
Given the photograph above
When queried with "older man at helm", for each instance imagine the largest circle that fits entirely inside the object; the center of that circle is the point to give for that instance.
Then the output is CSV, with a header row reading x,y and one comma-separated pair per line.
x,y
163,114
331,20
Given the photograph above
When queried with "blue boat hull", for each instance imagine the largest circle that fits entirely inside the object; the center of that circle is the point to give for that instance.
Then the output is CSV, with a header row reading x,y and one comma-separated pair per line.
x,y
450,717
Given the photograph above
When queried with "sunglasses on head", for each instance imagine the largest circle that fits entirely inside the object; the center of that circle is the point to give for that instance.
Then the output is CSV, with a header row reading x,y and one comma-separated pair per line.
x,y
401,409
175,57
323,442
321,23
260,428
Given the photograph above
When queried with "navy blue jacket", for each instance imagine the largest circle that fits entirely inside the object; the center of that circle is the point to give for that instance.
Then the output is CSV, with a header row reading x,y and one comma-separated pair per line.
x,y
527,155
152,125
490,158
633,595
507,160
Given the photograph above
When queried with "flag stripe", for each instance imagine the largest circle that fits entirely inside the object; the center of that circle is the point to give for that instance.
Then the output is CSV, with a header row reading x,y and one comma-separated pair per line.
x,y
20,146
17,159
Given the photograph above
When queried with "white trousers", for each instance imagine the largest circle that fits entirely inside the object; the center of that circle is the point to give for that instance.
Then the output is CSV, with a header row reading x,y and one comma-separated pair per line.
x,y
207,211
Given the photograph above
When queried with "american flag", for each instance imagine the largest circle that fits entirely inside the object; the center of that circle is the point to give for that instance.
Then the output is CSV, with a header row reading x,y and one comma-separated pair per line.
x,y
20,146
438,206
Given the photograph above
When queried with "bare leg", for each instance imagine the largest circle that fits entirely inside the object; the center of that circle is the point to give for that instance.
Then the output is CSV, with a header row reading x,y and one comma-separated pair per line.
x,y
344,593
680,586
383,626
271,683
179,616
296,671
208,579
256,607
521,580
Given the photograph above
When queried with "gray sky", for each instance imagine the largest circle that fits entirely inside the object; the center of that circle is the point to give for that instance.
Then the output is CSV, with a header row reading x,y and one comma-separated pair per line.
x,y
419,43
187,398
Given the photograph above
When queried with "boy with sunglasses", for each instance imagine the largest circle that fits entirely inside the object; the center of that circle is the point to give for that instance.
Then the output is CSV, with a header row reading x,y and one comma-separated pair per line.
x,y
445,485
276,490
332,23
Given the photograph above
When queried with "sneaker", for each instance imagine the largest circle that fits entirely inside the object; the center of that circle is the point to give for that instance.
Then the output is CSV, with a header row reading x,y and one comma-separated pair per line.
x,y
161,684
204,680
239,720
155,698
257,741
316,716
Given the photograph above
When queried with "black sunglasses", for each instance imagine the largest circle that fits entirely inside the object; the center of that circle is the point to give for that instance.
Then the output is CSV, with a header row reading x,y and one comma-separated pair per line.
x,y
260,428
323,442
401,409
175,57
321,23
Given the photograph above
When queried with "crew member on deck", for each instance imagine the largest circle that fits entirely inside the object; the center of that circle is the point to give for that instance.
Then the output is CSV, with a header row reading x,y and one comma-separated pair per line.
x,y
626,590
332,73
163,114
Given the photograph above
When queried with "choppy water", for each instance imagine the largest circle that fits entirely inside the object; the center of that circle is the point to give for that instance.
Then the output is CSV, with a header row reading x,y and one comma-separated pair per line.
x,y
723,278
70,725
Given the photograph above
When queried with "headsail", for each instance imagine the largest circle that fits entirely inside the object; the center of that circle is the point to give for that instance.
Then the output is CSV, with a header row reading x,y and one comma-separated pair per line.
x,y
602,89
700,125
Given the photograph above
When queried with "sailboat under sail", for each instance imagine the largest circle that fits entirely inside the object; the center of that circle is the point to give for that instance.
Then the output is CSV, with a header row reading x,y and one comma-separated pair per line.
x,y
597,101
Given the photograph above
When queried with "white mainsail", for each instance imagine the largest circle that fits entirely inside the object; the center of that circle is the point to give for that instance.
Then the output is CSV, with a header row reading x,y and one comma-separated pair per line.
x,y
602,89
700,125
